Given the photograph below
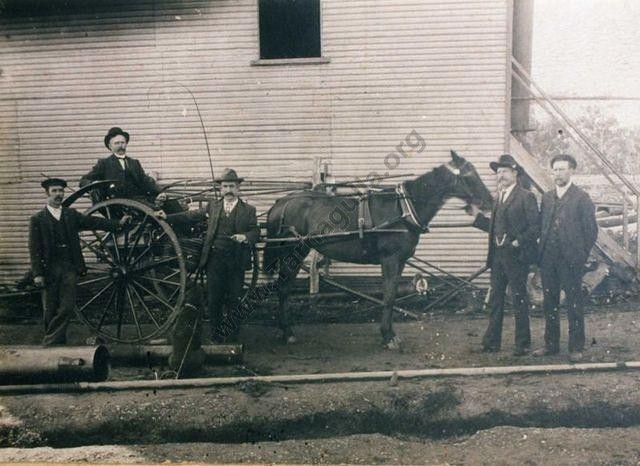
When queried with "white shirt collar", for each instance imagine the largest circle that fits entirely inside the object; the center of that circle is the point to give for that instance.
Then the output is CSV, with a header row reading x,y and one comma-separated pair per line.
x,y
56,212
121,157
230,205
507,192
561,191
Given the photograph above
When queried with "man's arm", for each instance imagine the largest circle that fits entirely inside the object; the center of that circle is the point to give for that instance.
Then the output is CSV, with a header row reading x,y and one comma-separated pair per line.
x,y
532,216
150,186
91,222
253,231
95,174
35,249
588,220
190,216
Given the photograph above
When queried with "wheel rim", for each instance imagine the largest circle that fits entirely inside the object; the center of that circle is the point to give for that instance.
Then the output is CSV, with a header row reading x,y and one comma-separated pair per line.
x,y
119,297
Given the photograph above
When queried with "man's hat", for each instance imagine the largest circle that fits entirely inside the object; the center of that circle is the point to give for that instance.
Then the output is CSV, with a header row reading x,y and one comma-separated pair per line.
x,y
53,182
229,175
113,132
505,160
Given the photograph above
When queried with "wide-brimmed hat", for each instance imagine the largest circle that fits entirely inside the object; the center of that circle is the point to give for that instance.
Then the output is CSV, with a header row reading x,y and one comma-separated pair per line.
x,y
53,182
229,175
505,160
113,132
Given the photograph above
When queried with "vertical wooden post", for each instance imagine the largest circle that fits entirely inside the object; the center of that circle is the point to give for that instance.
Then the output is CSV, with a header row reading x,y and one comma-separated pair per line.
x,y
314,276
625,220
637,234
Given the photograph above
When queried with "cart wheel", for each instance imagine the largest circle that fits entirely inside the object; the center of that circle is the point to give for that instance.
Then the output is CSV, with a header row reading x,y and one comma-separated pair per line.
x,y
119,298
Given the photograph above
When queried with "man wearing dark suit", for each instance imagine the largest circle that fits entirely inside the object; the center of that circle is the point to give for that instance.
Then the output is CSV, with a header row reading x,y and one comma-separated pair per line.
x,y
513,233
56,257
232,231
132,181
569,231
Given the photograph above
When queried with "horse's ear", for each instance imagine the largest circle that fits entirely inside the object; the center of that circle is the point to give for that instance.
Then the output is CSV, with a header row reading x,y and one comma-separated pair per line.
x,y
457,160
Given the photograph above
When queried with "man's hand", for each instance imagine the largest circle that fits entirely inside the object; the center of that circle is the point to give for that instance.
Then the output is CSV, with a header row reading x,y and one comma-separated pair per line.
x,y
160,214
125,220
39,281
160,200
472,210
239,237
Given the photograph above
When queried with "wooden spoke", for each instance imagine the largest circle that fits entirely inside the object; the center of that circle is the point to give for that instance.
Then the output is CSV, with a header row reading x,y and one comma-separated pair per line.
x,y
138,235
97,252
155,264
105,247
151,293
145,307
94,280
96,296
106,309
133,313
147,249
159,280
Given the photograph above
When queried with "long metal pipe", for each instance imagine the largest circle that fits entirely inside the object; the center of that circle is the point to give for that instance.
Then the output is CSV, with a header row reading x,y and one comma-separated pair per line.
x,y
87,387
158,354
34,364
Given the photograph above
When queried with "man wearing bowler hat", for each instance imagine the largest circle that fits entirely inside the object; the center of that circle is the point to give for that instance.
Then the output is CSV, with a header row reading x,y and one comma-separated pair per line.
x,y
56,257
569,231
232,231
513,233
132,181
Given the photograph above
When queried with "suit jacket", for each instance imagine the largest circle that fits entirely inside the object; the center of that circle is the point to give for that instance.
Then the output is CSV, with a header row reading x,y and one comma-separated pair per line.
x,y
522,221
246,223
41,235
109,168
578,229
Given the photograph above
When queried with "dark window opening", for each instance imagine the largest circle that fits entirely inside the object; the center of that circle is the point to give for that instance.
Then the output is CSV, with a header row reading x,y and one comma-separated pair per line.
x,y
289,28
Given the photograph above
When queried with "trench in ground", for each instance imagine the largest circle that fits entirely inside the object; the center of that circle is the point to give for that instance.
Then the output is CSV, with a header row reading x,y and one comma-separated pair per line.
x,y
432,416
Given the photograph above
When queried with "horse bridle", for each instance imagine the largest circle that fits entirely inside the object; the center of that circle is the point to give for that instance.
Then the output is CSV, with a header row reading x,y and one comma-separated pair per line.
x,y
460,178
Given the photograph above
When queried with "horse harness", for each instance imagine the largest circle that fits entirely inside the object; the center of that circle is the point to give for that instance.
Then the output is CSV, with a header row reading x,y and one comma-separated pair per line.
x,y
365,221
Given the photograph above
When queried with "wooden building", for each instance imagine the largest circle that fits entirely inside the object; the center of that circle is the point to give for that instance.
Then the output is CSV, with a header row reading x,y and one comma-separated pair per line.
x,y
381,72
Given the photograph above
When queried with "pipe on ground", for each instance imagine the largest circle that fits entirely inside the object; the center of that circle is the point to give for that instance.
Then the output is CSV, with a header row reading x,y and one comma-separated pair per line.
x,y
159,354
316,378
34,364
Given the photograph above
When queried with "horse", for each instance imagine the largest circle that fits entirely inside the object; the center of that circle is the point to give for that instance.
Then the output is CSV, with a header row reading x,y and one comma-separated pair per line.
x,y
333,225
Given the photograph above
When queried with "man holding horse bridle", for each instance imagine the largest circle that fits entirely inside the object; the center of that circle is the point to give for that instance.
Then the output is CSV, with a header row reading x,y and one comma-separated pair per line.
x,y
513,230
232,231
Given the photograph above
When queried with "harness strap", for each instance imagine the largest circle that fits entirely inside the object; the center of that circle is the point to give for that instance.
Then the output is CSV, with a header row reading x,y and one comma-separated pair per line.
x,y
365,222
409,214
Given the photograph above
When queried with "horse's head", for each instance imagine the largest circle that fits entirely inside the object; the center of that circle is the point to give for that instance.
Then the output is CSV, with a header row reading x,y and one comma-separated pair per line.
x,y
467,184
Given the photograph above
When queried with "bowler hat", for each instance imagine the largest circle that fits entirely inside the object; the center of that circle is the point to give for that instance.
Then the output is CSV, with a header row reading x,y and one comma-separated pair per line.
x,y
113,132
505,160
53,182
229,175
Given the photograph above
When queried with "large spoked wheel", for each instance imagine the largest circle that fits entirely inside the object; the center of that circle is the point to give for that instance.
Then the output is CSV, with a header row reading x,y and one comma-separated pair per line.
x,y
136,279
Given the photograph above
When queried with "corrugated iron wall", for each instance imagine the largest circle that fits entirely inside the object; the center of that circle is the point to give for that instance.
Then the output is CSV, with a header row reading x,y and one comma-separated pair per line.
x,y
437,68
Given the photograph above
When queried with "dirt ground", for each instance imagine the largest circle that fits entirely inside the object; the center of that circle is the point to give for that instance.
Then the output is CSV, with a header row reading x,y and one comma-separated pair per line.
x,y
571,418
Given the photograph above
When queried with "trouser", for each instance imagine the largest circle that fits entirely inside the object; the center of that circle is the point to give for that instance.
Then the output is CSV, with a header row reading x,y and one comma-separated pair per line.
x,y
506,269
58,302
557,274
225,279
